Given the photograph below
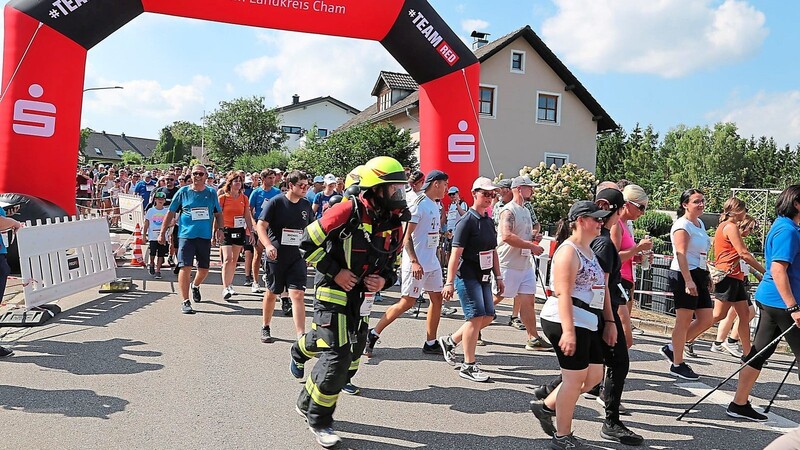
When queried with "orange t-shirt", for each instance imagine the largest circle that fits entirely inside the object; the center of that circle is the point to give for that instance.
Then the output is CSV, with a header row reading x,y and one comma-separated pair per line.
x,y
726,257
233,208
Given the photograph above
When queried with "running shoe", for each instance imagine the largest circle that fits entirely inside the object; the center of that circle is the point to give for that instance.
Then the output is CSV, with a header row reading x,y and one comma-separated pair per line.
x,y
592,393
473,372
176,269
568,442
326,437
4,352
541,392
667,352
448,311
538,343
745,411
266,336
256,288
448,349
196,293
688,351
620,433
248,281
157,276
480,342
298,369
717,348
733,348
226,293
516,323
286,306
636,331
432,349
545,417
683,371
372,339
186,307
152,269
351,389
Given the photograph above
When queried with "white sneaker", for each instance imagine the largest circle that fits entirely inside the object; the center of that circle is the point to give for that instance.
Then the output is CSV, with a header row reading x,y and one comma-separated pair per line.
x,y
473,372
226,292
717,348
256,288
733,349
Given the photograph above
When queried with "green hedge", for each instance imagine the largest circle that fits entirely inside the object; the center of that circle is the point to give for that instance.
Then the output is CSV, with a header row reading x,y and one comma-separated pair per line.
x,y
655,223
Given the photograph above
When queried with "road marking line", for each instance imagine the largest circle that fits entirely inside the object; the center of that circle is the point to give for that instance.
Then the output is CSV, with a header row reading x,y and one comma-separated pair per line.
x,y
776,422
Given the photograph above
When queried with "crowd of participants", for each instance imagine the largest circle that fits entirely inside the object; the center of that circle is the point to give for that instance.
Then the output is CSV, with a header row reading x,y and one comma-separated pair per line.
x,y
383,224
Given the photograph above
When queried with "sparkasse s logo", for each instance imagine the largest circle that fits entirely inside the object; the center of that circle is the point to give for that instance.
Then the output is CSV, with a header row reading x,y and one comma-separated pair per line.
x,y
436,40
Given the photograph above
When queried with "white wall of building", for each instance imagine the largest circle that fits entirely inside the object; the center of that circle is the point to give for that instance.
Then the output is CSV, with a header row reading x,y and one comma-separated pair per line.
x,y
325,115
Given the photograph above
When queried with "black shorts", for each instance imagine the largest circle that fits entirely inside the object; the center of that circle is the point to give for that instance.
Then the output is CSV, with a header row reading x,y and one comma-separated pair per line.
x,y
175,236
731,290
281,277
157,249
678,288
588,347
234,236
189,249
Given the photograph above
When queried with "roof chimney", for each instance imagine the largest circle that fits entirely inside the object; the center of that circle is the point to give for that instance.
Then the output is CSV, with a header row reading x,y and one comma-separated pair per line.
x,y
295,99
479,39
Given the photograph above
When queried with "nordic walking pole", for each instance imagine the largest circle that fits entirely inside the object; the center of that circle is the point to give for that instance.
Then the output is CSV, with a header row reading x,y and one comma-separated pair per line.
x,y
791,366
774,342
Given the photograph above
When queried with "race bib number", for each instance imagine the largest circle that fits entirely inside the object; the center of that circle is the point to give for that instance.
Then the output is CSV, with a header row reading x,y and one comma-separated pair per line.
x,y
486,259
291,237
366,305
433,239
150,187
452,215
238,222
703,264
598,296
236,235
5,239
199,214
84,187
525,252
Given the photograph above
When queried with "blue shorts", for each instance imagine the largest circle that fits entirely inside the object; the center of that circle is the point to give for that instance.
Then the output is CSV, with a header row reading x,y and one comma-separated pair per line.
x,y
189,249
475,297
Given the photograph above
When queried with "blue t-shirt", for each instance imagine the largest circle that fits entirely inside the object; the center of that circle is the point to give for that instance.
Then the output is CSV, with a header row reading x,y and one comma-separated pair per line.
x,y
143,188
259,197
3,249
197,209
321,200
310,196
782,244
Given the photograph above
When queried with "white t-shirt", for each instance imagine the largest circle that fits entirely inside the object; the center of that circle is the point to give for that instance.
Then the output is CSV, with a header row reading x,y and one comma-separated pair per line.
x,y
425,214
411,196
453,215
156,219
697,250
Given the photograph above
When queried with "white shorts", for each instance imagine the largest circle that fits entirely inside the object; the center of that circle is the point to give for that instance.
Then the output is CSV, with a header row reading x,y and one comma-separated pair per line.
x,y
412,287
517,282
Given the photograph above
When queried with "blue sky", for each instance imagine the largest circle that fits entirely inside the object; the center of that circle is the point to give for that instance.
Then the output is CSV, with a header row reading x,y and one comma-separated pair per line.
x,y
665,62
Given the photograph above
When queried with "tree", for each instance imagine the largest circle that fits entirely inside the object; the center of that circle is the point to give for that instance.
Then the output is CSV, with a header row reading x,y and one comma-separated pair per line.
x,y
342,151
83,142
190,133
131,158
611,154
643,164
243,125
166,144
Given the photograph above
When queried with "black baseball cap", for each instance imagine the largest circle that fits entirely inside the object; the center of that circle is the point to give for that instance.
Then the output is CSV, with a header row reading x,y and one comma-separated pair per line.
x,y
586,208
504,183
433,175
613,196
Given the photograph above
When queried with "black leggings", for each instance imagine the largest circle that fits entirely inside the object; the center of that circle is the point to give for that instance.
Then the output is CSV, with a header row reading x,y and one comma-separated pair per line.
x,y
618,364
771,324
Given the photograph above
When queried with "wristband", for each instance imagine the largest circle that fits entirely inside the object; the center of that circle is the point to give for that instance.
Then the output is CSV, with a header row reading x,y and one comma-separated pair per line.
x,y
448,284
609,321
498,278
794,308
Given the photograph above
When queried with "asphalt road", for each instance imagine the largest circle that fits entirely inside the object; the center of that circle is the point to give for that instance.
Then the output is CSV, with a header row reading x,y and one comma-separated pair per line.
x,y
130,371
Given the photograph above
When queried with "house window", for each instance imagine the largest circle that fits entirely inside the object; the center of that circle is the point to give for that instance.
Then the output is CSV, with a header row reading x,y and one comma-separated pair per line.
x,y
322,132
385,101
517,61
559,159
548,108
487,100
119,152
98,151
291,130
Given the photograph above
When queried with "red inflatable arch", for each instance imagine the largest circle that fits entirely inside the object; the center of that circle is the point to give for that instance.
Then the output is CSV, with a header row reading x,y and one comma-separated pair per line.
x,y
44,61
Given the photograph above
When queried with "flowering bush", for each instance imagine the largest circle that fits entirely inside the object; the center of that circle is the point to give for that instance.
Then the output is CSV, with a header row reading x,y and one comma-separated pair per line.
x,y
560,188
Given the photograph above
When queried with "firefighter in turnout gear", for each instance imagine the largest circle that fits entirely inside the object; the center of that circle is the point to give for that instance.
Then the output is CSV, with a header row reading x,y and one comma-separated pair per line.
x,y
355,247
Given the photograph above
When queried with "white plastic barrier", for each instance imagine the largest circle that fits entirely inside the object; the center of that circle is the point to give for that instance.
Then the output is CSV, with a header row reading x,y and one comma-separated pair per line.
x,y
543,270
64,257
132,211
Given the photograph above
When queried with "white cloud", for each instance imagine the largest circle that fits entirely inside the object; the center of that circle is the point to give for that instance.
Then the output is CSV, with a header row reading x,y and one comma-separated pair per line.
x,y
313,65
670,38
775,114
470,25
144,102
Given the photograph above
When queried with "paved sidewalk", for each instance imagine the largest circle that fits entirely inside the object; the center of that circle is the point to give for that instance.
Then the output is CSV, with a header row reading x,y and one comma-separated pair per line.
x,y
129,371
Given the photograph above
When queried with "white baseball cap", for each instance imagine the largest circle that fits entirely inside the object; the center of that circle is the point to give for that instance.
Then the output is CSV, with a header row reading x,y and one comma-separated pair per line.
x,y
483,183
330,179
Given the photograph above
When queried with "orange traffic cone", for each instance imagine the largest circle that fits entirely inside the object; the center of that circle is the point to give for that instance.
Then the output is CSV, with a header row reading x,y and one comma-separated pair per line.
x,y
137,260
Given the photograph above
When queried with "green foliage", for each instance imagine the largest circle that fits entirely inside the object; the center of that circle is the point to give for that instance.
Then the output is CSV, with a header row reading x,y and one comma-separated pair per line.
x,y
166,143
130,158
611,153
190,133
250,162
342,151
243,125
560,188
654,223
84,138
